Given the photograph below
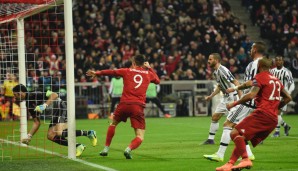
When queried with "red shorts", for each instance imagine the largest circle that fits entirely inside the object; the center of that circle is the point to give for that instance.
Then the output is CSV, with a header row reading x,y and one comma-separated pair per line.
x,y
133,111
256,127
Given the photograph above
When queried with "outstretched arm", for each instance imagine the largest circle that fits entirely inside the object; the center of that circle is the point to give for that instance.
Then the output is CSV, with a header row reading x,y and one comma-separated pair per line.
x,y
249,96
34,129
117,72
243,86
236,83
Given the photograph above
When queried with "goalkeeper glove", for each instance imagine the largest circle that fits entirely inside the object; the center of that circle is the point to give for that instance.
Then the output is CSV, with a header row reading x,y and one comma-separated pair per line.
x,y
27,140
41,108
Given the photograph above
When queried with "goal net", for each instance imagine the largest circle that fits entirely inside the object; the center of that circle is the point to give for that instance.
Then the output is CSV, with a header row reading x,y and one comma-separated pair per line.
x,y
32,52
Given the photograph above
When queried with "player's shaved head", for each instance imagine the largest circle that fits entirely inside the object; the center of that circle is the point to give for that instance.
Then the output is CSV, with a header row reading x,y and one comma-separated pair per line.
x,y
265,63
139,60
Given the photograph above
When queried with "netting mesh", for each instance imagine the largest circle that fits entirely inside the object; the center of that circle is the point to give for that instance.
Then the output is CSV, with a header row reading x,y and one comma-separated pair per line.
x,y
12,9
45,70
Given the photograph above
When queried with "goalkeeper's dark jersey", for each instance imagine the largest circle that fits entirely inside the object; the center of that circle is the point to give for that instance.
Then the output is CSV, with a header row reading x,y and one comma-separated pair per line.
x,y
56,111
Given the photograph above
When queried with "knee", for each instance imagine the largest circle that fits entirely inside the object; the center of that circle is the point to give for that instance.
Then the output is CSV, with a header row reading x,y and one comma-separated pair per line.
x,y
215,117
234,133
51,136
229,124
141,137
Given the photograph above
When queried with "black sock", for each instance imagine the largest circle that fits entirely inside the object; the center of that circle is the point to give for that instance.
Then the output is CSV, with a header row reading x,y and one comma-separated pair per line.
x,y
60,140
78,133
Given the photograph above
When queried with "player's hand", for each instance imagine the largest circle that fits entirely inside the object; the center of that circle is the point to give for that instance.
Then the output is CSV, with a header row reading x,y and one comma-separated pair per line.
x,y
230,90
41,108
230,105
91,73
147,65
208,98
27,140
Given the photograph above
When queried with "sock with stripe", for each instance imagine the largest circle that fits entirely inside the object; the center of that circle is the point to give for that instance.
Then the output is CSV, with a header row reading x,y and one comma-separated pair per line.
x,y
213,128
78,133
224,141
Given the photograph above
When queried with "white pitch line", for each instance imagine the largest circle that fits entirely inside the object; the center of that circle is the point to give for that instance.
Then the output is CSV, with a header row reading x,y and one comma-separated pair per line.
x,y
60,155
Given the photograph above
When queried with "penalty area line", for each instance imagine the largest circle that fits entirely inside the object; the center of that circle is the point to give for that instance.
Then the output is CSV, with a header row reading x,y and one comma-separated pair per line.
x,y
60,155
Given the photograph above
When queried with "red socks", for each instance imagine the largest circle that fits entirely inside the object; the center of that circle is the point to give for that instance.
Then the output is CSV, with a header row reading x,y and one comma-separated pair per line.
x,y
135,143
110,135
239,150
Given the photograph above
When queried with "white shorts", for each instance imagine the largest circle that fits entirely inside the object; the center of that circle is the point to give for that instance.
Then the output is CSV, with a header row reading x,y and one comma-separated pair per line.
x,y
240,112
222,106
283,109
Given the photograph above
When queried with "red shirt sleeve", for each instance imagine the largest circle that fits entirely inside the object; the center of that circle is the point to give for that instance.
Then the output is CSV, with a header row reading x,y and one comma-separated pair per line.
x,y
117,72
154,77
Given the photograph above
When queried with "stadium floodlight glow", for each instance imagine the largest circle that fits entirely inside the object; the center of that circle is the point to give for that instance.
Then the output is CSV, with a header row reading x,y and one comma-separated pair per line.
x,y
13,44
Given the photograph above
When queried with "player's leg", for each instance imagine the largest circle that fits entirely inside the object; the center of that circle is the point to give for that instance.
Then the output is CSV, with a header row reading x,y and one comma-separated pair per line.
x,y
235,116
137,120
157,102
218,113
91,134
286,126
213,128
115,100
135,143
109,137
55,134
238,151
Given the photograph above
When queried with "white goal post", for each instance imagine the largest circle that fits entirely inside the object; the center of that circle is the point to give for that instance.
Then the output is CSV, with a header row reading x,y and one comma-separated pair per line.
x,y
11,10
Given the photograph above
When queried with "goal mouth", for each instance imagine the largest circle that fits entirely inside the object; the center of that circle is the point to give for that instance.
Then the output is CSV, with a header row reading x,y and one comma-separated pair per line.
x,y
15,9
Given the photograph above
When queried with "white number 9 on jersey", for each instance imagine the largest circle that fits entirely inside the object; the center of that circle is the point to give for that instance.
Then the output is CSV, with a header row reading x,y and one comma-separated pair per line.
x,y
138,79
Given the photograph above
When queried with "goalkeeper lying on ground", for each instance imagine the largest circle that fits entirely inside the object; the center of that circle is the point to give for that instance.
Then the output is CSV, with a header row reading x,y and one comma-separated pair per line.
x,y
38,102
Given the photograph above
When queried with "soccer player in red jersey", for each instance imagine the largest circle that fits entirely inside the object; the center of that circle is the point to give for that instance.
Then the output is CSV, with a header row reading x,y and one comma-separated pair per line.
x,y
267,91
132,103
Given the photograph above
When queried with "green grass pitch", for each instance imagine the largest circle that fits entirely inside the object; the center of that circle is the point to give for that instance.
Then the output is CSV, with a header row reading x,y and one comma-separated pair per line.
x,y
170,145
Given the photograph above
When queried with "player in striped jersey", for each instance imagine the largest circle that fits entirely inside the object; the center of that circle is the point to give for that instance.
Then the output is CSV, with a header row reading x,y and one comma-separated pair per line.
x,y
257,51
285,76
225,79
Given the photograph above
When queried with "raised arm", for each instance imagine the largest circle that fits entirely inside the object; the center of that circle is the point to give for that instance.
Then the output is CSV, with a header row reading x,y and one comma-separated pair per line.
x,y
155,78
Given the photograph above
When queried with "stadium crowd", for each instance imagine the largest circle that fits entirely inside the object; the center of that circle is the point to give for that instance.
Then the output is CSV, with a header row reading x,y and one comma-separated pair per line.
x,y
278,22
177,37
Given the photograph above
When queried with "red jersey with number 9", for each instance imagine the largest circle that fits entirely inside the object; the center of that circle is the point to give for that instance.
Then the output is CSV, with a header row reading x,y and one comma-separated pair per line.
x,y
136,81
268,98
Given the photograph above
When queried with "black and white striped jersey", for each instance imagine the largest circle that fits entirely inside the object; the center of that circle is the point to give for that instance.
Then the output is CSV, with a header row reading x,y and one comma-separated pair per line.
x,y
250,72
224,78
285,76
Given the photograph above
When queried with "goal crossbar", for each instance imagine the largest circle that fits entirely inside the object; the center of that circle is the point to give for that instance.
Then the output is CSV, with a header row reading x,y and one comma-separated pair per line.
x,y
15,9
